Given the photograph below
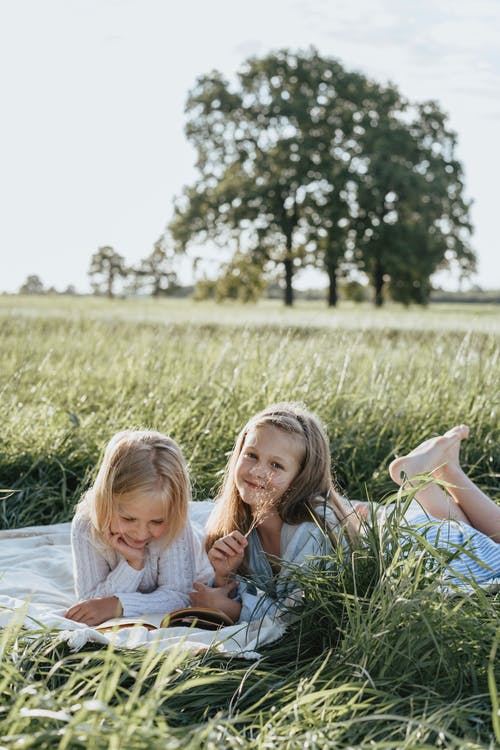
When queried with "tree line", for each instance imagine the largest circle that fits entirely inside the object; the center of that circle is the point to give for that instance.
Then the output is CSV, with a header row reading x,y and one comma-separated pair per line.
x,y
154,275
302,163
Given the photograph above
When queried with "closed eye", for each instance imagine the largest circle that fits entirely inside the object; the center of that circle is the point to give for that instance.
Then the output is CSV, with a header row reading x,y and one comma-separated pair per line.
x,y
158,522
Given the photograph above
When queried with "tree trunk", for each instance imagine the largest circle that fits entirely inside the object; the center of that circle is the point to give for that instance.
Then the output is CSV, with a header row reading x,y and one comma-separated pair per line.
x,y
332,288
378,283
288,282
288,262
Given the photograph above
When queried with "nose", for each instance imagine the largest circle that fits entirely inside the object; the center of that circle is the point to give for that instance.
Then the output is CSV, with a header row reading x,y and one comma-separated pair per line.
x,y
258,470
141,533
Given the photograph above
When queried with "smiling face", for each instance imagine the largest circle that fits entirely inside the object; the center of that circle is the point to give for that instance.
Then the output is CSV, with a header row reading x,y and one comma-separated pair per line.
x,y
269,461
138,518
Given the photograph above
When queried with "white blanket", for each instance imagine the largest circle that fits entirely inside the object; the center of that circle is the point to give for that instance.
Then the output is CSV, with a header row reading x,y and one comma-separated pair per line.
x,y
36,588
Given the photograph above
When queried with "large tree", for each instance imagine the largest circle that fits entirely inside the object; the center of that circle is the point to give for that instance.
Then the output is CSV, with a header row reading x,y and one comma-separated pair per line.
x,y
262,147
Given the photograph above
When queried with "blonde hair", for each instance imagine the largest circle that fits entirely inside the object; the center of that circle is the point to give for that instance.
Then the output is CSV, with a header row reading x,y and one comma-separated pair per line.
x,y
141,461
310,489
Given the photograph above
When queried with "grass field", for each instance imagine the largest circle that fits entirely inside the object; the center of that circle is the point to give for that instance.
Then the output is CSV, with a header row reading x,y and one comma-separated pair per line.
x,y
381,659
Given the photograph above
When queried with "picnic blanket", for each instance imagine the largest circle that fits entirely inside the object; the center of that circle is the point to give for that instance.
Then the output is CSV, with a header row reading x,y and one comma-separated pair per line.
x,y
36,588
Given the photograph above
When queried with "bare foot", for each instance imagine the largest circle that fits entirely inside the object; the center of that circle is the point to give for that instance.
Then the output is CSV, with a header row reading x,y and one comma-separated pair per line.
x,y
431,456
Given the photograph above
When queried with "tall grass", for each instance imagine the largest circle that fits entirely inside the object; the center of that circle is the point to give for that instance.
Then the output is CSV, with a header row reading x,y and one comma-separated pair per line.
x,y
380,657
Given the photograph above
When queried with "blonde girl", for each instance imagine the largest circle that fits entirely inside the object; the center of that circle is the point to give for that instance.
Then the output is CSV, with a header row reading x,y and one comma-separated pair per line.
x,y
277,504
134,549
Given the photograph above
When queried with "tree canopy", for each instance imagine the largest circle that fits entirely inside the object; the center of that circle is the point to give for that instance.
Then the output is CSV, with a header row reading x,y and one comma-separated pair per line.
x,y
303,162
106,266
32,285
155,272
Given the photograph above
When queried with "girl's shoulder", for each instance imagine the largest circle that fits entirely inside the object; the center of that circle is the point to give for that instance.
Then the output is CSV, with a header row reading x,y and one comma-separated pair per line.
x,y
315,534
81,523
324,517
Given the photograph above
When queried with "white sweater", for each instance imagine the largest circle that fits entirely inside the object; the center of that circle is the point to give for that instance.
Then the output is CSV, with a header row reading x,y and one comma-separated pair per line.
x,y
162,585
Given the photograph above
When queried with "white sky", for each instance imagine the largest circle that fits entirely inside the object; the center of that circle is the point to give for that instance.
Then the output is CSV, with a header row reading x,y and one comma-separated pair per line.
x,y
92,148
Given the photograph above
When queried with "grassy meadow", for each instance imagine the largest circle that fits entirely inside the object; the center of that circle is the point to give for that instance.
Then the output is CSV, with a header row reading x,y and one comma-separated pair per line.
x,y
380,657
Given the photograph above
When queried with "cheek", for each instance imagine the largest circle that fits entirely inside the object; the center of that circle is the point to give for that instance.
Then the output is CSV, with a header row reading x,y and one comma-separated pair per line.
x,y
284,482
238,471
158,531
115,524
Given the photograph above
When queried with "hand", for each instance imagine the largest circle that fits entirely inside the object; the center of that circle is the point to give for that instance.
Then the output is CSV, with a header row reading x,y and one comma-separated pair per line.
x,y
216,598
134,557
95,611
226,555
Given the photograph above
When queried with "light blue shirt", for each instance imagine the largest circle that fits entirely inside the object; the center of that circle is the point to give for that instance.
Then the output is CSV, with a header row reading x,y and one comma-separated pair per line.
x,y
474,556
299,545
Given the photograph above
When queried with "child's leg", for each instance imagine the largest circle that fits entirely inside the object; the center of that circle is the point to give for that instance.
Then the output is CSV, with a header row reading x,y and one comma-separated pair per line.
x,y
440,456
484,514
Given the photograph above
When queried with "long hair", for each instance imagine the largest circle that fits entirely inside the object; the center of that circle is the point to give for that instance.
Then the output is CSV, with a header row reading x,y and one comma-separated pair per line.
x,y
139,461
310,489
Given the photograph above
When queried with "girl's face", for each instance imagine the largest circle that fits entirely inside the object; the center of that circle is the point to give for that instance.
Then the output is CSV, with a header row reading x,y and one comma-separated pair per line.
x,y
269,461
138,518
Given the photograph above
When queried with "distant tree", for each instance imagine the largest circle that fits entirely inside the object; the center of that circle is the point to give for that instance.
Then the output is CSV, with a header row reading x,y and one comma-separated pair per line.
x,y
204,289
106,266
155,272
410,216
32,285
242,279
354,291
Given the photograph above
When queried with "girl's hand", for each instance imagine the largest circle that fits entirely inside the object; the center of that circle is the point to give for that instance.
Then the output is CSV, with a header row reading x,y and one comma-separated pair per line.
x,y
95,611
134,557
216,598
226,555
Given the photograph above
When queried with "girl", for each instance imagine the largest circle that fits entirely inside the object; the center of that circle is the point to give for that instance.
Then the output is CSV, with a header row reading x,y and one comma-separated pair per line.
x,y
277,481
134,550
461,517
276,502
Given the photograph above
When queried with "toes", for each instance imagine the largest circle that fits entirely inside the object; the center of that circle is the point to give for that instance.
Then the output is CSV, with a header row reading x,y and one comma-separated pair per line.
x,y
395,471
460,431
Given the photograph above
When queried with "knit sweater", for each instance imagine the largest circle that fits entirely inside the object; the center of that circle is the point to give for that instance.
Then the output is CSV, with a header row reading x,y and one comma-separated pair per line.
x,y
162,585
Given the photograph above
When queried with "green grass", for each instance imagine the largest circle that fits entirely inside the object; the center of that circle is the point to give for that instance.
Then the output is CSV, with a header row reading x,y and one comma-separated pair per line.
x,y
442,316
380,658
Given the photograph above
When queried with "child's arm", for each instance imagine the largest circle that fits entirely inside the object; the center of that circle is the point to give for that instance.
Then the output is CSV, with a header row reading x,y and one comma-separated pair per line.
x,y
94,611
93,571
226,556
177,567
98,585
216,598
